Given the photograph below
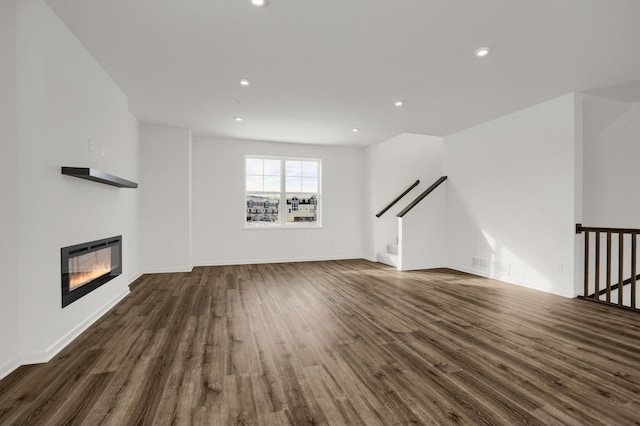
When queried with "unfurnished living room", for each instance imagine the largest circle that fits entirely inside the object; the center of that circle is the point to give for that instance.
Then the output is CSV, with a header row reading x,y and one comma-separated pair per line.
x,y
295,212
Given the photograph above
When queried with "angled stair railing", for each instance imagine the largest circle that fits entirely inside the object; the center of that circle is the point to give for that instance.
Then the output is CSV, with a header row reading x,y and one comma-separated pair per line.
x,y
391,204
422,196
616,286
592,290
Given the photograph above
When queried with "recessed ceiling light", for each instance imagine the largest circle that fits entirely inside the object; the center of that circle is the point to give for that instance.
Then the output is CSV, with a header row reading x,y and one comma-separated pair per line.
x,y
483,51
355,130
244,82
237,118
259,3
398,103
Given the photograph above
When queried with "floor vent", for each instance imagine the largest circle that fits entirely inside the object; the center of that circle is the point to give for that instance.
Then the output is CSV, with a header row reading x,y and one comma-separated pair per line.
x,y
502,268
479,263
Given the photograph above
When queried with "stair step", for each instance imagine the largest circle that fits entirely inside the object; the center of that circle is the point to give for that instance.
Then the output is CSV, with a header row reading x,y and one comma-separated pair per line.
x,y
392,248
387,258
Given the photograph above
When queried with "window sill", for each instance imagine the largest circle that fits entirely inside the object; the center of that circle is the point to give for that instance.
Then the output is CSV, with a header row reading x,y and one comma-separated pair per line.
x,y
280,228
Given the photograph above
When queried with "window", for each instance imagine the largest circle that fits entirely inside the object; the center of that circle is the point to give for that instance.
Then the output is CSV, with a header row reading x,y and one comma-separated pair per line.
x,y
282,192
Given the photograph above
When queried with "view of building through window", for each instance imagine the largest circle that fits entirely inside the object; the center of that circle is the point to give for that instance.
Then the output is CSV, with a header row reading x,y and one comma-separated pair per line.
x,y
269,181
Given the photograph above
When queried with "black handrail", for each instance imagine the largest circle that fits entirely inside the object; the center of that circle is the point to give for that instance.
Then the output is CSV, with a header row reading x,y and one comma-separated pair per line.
x,y
422,196
580,229
398,199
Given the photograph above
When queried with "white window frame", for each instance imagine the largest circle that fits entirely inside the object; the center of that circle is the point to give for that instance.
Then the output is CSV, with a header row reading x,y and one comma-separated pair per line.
x,y
283,195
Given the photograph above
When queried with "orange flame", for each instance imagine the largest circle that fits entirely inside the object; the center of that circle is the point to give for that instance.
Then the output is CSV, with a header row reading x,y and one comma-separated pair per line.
x,y
88,267
78,279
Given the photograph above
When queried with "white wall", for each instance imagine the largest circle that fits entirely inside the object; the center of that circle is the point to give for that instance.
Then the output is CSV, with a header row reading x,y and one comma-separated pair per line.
x,y
511,192
611,169
368,215
165,199
219,236
611,176
9,347
423,233
64,99
393,166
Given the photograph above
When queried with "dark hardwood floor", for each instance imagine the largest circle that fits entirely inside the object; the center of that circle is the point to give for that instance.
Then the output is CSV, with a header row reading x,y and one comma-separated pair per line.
x,y
343,342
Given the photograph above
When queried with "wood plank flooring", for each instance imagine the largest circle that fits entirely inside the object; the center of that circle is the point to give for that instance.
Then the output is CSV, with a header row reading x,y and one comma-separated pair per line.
x,y
342,342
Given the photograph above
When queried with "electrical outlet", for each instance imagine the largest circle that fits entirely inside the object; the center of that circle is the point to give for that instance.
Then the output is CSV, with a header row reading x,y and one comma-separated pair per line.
x,y
101,150
90,145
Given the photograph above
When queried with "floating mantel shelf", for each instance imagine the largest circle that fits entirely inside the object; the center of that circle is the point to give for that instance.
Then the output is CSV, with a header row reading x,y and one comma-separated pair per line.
x,y
98,176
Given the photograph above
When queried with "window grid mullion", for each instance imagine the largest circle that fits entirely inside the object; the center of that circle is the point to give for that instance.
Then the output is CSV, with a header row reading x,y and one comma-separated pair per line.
x,y
283,198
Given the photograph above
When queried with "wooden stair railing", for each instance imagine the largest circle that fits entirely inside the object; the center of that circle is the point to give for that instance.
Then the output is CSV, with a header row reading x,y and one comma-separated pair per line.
x,y
610,287
616,286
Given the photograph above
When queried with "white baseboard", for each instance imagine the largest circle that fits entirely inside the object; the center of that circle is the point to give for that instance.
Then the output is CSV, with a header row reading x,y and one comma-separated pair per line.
x,y
422,266
53,350
60,344
370,259
510,280
8,367
35,357
135,277
168,270
261,261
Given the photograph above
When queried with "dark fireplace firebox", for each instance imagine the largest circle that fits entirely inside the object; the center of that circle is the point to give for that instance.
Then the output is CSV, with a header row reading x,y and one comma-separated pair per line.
x,y
87,266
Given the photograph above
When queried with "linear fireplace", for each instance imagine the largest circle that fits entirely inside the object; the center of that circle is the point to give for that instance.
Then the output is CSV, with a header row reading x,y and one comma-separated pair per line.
x,y
87,266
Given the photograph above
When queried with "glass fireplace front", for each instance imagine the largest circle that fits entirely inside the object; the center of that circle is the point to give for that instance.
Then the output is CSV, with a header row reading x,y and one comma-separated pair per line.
x,y
87,266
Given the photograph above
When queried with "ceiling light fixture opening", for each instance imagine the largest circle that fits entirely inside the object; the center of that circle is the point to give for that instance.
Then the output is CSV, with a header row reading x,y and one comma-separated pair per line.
x,y
259,3
483,51
237,118
398,103
244,82
355,130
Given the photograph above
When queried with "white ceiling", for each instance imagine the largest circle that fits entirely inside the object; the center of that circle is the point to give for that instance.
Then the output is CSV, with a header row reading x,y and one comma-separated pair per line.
x,y
319,68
